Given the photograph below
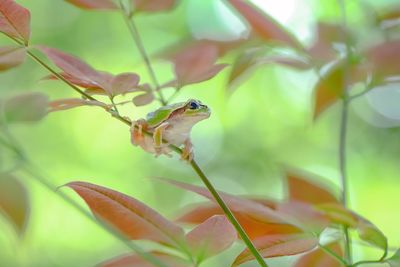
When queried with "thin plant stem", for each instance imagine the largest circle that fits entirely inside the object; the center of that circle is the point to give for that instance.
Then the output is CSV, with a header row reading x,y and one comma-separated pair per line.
x,y
343,129
139,44
228,213
343,173
114,105
334,255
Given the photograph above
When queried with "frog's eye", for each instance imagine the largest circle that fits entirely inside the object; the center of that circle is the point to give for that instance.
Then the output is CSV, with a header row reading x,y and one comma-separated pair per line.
x,y
193,105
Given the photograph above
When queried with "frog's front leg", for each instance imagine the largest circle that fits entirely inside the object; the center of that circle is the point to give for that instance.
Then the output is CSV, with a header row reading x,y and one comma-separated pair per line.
x,y
158,135
187,151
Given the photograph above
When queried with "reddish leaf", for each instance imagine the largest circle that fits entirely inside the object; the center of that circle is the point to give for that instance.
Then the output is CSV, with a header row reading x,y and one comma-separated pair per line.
x,y
394,261
384,59
319,258
153,5
123,83
252,209
26,107
279,245
11,56
69,103
74,67
211,237
143,99
303,190
14,203
197,64
89,85
253,58
15,20
253,228
243,64
331,86
305,216
129,260
81,74
264,25
93,4
371,234
322,49
128,215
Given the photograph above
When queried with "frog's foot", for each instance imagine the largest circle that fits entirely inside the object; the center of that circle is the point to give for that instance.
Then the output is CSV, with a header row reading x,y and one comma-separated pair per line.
x,y
137,136
159,146
187,151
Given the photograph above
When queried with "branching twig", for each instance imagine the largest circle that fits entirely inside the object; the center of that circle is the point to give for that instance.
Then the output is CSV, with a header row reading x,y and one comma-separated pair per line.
x,y
139,44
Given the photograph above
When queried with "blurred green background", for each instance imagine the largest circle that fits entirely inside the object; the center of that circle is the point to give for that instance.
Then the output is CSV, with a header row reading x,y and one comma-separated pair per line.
x,y
266,121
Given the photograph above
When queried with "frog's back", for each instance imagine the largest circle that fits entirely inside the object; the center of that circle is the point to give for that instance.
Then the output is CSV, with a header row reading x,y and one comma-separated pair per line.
x,y
158,116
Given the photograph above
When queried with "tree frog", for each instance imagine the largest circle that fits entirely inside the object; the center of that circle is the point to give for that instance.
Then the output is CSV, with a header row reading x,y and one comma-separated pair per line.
x,y
171,123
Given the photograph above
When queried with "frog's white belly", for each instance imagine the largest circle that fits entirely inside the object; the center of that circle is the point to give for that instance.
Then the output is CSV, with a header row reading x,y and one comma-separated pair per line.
x,y
177,134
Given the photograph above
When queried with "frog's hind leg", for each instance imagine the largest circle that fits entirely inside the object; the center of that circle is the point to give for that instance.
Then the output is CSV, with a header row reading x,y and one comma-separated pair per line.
x,y
137,136
159,146
187,151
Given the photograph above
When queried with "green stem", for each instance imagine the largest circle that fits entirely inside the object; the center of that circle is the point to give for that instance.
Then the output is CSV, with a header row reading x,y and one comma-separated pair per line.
x,y
343,172
114,105
229,214
343,130
139,44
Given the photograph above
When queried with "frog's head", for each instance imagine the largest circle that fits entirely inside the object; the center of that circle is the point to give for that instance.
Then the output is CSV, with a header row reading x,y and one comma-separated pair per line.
x,y
194,108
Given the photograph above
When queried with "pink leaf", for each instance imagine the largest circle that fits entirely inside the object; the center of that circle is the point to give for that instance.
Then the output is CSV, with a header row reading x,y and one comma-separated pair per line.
x,y
93,4
27,107
322,49
81,74
153,5
319,258
123,83
15,20
253,58
136,261
254,228
384,58
252,209
264,25
128,215
279,245
143,99
11,56
305,216
14,203
197,64
211,237
71,65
